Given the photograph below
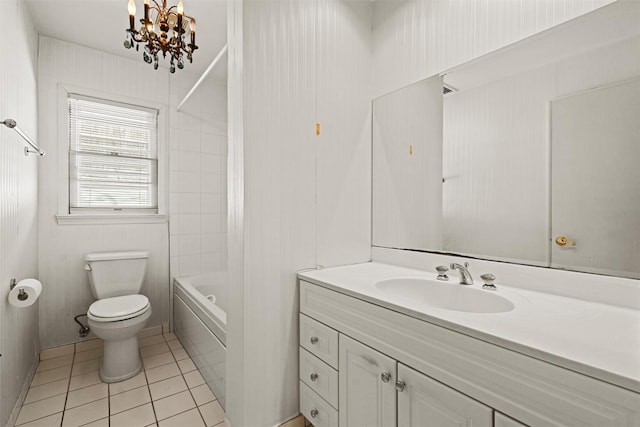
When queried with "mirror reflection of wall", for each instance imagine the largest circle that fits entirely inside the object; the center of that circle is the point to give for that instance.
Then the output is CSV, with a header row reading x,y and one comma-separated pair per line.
x,y
496,200
497,148
495,194
407,184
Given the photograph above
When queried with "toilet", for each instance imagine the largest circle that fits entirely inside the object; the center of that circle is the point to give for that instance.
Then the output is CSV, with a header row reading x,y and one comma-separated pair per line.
x,y
120,312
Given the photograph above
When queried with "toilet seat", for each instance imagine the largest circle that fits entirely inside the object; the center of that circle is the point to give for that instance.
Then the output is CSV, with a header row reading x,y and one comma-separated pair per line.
x,y
118,308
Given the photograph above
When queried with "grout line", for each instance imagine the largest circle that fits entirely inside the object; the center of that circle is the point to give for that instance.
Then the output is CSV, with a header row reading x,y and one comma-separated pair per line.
x,y
90,422
64,407
189,388
181,412
153,407
38,400
85,403
108,404
129,409
45,416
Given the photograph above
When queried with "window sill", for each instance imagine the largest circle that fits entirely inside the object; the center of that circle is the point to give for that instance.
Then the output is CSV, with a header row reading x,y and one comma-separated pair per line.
x,y
83,219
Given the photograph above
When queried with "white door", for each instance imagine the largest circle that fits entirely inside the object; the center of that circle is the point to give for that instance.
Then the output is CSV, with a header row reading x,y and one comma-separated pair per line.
x,y
425,402
366,386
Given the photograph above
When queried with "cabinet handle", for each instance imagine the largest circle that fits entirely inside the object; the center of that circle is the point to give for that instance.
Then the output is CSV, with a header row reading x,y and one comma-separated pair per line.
x,y
314,340
386,377
314,376
314,413
400,386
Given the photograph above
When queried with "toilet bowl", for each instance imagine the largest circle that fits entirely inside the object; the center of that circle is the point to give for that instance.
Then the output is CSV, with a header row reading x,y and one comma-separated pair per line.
x,y
120,312
118,320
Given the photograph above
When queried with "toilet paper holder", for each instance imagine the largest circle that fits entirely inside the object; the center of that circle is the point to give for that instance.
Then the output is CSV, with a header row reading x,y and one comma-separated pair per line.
x,y
21,294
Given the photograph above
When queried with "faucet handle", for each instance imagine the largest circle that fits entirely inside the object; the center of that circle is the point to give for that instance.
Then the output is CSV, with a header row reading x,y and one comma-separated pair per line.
x,y
488,279
442,272
453,265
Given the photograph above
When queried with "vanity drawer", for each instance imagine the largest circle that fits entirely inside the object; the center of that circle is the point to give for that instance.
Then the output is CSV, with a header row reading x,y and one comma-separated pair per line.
x,y
319,339
315,409
319,376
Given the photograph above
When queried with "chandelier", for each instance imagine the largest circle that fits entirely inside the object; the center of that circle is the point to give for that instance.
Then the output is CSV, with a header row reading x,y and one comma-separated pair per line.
x,y
162,31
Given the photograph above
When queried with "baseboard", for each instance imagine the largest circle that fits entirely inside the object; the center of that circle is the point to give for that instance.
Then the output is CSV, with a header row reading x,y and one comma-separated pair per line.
x,y
23,394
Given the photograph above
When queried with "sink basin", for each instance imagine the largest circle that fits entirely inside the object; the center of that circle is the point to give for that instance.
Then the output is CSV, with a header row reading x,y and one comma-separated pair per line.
x,y
446,295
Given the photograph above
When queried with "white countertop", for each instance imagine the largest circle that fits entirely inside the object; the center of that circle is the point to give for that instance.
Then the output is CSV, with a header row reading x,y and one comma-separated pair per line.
x,y
598,340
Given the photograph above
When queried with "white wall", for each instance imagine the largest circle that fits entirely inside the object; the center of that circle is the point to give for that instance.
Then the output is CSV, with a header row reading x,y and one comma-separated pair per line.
x,y
62,247
415,39
18,199
343,149
296,200
198,177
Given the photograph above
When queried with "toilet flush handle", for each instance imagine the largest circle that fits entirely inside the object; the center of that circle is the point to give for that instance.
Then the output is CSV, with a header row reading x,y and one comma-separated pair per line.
x,y
87,267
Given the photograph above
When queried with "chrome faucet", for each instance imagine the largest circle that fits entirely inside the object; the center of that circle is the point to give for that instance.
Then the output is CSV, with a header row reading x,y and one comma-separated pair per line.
x,y
465,276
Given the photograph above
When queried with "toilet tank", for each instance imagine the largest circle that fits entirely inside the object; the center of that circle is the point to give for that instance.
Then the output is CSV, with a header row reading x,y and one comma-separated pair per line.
x,y
113,274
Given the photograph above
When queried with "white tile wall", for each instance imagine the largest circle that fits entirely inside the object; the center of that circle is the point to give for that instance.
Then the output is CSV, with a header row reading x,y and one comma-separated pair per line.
x,y
18,203
62,247
198,178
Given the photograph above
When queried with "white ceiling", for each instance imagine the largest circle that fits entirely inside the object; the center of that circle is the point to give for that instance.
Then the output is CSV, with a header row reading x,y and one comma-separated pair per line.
x,y
101,24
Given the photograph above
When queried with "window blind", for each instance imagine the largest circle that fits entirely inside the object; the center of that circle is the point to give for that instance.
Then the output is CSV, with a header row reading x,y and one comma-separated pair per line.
x,y
113,160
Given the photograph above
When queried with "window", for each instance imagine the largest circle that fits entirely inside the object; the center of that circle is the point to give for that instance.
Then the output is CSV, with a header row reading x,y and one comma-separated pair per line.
x,y
113,157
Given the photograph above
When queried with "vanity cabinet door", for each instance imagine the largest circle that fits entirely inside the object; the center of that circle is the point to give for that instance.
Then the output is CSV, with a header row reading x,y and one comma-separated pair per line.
x,y
424,402
366,386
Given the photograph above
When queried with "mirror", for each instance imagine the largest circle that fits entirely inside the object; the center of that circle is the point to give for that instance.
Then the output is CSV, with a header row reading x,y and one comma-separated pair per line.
x,y
531,157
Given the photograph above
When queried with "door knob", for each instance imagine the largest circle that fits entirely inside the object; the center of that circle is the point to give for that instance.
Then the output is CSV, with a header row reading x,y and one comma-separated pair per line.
x,y
385,376
563,241
313,376
400,385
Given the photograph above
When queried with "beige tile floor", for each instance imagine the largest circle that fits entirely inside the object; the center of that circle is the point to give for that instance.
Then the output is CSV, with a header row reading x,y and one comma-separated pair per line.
x,y
169,392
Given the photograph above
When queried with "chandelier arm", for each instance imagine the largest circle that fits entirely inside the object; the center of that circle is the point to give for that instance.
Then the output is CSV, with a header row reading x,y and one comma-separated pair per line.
x,y
137,37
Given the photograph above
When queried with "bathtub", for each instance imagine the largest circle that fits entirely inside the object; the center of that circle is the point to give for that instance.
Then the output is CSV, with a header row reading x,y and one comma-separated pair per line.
x,y
201,325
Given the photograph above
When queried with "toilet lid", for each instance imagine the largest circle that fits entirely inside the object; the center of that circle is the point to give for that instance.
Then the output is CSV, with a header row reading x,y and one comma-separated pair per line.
x,y
118,307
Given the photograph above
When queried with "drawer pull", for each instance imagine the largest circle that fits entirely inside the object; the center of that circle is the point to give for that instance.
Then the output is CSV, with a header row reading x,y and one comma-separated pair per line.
x,y
400,386
314,340
386,377
314,413
314,376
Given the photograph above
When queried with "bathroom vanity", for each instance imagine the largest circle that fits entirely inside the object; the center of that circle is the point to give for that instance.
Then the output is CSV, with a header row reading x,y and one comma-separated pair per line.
x,y
378,355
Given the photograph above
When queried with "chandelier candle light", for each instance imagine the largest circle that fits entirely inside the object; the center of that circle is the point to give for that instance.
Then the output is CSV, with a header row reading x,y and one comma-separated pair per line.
x,y
172,23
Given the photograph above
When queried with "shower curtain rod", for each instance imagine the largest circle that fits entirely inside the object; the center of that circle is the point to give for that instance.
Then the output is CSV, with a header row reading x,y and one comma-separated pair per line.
x,y
11,124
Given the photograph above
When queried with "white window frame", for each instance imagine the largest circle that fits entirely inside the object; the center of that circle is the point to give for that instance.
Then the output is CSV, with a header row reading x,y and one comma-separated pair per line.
x,y
64,217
